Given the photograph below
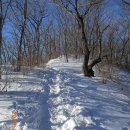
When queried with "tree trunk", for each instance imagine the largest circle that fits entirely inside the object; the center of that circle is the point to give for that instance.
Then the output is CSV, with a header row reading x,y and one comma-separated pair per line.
x,y
21,38
0,52
87,69
1,17
85,49
20,51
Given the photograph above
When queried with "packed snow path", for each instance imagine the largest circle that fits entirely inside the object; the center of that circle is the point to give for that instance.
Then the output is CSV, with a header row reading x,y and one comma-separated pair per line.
x,y
58,97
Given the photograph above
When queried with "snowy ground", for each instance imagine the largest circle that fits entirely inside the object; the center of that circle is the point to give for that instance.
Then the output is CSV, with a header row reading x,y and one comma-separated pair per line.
x,y
58,97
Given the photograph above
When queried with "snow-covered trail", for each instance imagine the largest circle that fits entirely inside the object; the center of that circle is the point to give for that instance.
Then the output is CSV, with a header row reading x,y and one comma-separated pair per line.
x,y
58,97
85,103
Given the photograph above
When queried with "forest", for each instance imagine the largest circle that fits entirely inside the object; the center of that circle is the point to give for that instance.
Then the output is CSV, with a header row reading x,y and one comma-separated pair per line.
x,y
35,31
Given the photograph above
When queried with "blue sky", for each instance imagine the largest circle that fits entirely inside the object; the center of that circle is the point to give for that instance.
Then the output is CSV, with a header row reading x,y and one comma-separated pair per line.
x,y
112,8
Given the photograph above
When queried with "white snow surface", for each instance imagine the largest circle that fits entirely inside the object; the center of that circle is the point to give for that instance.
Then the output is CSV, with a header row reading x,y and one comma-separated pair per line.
x,y
59,97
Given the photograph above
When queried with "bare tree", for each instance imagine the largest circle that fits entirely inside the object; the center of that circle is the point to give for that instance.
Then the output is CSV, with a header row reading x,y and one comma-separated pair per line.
x,y
80,11
21,35
38,13
4,6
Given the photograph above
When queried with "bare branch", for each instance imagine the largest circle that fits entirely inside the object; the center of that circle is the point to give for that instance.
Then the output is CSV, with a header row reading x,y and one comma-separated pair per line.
x,y
125,2
6,11
65,7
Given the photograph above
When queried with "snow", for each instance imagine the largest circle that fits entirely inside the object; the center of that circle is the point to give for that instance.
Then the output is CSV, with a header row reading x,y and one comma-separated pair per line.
x,y
59,97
